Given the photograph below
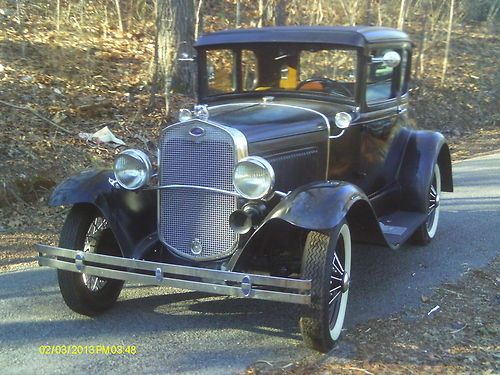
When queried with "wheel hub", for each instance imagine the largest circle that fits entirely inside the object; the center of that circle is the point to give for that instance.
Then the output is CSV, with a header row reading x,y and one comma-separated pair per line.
x,y
346,281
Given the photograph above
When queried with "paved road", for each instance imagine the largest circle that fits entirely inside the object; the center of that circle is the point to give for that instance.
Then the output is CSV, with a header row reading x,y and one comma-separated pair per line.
x,y
192,333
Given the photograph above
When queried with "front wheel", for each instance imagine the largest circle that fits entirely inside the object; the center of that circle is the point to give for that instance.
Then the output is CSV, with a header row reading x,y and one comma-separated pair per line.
x,y
327,262
85,229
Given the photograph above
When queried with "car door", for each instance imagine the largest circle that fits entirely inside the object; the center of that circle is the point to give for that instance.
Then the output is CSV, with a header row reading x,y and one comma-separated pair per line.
x,y
383,135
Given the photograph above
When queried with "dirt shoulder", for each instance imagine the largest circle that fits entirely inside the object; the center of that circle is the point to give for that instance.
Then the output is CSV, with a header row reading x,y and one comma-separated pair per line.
x,y
459,337
17,251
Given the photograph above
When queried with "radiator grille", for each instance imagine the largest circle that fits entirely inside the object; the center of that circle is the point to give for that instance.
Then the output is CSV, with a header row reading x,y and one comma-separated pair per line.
x,y
190,216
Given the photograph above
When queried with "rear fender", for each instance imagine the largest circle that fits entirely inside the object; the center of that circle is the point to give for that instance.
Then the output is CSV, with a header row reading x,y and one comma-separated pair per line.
x,y
424,150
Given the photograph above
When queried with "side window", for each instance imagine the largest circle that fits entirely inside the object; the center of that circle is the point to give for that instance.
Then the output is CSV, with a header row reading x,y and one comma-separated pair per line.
x,y
381,79
220,71
248,70
403,85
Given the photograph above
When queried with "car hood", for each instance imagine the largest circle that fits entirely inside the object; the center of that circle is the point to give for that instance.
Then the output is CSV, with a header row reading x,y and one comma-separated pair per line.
x,y
260,121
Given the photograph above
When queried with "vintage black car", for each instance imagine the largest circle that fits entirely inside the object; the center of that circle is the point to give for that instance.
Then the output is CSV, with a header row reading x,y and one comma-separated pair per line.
x,y
299,148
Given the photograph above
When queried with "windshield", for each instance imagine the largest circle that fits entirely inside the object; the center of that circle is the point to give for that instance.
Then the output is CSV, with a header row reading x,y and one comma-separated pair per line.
x,y
308,68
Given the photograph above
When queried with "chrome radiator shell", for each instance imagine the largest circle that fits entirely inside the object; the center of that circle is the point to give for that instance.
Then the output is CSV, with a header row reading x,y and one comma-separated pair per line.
x,y
194,223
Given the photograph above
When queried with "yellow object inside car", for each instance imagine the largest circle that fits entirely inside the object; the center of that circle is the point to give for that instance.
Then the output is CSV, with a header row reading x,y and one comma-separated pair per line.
x,y
288,78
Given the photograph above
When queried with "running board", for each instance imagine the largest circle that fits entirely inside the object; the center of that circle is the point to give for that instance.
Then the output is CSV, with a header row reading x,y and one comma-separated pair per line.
x,y
400,225
200,279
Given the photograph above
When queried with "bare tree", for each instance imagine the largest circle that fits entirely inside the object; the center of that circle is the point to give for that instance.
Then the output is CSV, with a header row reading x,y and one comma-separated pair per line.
x,y
401,18
280,14
368,12
82,11
199,19
492,13
448,39
106,24
58,14
263,14
19,13
419,66
238,13
350,11
175,21
272,12
119,15
379,12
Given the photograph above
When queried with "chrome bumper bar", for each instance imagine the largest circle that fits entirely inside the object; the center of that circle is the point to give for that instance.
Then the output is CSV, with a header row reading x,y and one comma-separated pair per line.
x,y
200,279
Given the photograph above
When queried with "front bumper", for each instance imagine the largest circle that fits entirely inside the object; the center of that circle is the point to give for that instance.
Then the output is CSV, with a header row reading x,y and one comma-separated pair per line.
x,y
200,279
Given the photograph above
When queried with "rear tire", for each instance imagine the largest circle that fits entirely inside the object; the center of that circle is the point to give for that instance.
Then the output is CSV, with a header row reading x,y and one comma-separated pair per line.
x,y
327,262
427,231
85,229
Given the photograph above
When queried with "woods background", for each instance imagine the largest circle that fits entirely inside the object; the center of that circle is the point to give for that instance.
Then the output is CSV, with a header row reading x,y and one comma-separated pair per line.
x,y
73,66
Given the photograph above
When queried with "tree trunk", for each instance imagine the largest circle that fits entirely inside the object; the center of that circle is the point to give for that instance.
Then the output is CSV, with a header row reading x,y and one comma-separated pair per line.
x,y
368,12
448,39
262,13
272,13
379,13
280,15
419,71
350,12
199,19
175,21
82,10
106,24
58,15
238,13
119,15
19,5
492,14
401,18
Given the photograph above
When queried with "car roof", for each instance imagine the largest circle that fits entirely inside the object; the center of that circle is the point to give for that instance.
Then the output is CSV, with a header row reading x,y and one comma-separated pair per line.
x,y
357,36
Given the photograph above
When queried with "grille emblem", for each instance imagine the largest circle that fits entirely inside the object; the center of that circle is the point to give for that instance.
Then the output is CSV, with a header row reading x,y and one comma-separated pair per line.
x,y
196,131
196,247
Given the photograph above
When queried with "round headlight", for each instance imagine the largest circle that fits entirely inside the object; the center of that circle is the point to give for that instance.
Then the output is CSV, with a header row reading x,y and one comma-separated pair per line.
x,y
132,169
253,178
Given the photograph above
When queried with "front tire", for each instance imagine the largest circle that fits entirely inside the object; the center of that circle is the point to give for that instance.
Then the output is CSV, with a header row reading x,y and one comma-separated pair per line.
x,y
86,229
327,262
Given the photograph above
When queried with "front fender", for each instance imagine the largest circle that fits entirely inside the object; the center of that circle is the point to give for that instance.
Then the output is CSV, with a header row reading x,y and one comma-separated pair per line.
x,y
321,206
132,215
318,206
84,187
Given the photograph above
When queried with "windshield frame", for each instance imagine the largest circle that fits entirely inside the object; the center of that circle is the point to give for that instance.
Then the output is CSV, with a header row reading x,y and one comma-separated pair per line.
x,y
203,88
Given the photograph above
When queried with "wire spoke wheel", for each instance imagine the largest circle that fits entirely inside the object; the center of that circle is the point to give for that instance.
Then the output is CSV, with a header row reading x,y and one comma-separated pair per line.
x,y
337,282
94,233
434,201
327,263
427,231
85,229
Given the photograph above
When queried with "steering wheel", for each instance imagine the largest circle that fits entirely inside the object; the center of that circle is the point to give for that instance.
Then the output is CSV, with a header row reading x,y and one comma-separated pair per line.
x,y
329,85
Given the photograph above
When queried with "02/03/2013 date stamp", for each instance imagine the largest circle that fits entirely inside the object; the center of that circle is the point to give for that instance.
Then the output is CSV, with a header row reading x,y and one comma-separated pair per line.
x,y
100,349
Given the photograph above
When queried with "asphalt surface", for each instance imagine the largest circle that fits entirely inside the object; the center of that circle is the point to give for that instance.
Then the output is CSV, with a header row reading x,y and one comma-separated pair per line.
x,y
183,332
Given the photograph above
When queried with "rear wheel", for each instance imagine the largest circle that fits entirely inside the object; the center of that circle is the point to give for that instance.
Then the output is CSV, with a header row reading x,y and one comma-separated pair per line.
x,y
327,262
427,231
86,229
